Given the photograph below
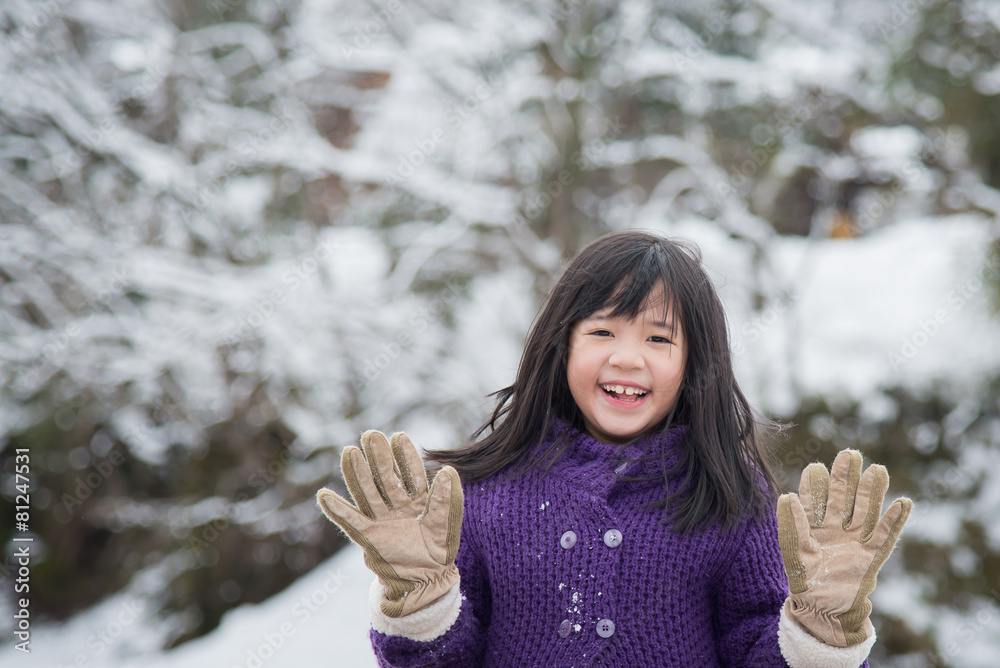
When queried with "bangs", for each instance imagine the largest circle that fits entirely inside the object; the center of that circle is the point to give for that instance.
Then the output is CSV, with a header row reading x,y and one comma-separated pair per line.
x,y
626,285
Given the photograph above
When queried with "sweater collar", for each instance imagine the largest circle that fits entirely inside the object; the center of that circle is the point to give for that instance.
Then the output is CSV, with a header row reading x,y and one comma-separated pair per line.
x,y
601,466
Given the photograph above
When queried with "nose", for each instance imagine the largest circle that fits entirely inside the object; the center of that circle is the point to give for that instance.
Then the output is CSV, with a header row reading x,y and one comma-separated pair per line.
x,y
626,356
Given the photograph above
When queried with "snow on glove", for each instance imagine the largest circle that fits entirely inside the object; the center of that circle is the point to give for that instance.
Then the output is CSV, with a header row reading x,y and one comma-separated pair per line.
x,y
410,537
834,547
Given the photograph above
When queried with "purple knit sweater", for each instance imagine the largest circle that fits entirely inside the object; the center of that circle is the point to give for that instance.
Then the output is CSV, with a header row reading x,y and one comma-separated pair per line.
x,y
566,569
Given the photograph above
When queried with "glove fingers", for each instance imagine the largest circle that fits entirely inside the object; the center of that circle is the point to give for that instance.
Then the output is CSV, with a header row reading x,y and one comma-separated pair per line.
x,y
814,488
359,481
888,529
871,492
845,474
410,467
342,513
884,537
442,522
378,452
795,540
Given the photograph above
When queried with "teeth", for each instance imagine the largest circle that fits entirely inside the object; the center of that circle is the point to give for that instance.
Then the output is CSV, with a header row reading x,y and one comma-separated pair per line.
x,y
627,391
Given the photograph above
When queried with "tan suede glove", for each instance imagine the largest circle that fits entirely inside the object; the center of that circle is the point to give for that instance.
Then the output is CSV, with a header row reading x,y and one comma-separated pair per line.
x,y
410,537
834,547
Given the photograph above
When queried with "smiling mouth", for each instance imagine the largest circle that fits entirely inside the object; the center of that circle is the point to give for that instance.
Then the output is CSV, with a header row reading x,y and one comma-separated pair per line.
x,y
629,394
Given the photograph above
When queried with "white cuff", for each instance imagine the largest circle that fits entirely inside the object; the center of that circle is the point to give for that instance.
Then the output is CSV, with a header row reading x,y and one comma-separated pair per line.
x,y
425,624
801,650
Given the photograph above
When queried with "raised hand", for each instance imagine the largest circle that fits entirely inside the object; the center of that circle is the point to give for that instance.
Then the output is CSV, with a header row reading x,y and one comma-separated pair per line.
x,y
410,537
834,545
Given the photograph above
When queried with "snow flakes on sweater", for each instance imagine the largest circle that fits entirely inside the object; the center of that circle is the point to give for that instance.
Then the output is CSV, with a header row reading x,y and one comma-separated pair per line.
x,y
698,599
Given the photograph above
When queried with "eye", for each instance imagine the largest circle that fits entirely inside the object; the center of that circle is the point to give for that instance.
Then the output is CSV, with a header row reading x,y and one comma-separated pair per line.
x,y
660,339
600,332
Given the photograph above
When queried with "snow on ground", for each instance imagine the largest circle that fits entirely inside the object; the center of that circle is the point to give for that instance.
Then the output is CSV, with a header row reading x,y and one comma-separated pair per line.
x,y
320,620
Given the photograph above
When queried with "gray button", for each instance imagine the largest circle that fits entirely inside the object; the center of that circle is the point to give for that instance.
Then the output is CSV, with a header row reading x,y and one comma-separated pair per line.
x,y
612,537
568,539
564,628
605,628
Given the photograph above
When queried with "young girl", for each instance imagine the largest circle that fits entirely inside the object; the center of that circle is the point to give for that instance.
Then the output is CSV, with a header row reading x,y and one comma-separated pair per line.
x,y
620,510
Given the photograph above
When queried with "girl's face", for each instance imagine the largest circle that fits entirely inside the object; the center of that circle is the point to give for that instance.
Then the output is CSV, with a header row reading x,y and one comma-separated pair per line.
x,y
625,375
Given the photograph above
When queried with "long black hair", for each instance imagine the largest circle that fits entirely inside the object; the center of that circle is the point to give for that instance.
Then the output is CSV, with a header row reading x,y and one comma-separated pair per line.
x,y
724,473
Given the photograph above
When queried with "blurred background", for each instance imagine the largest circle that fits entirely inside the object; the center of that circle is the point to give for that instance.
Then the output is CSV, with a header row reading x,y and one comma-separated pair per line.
x,y
236,233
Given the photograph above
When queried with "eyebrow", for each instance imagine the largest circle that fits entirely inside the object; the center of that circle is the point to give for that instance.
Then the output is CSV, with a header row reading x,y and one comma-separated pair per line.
x,y
657,323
